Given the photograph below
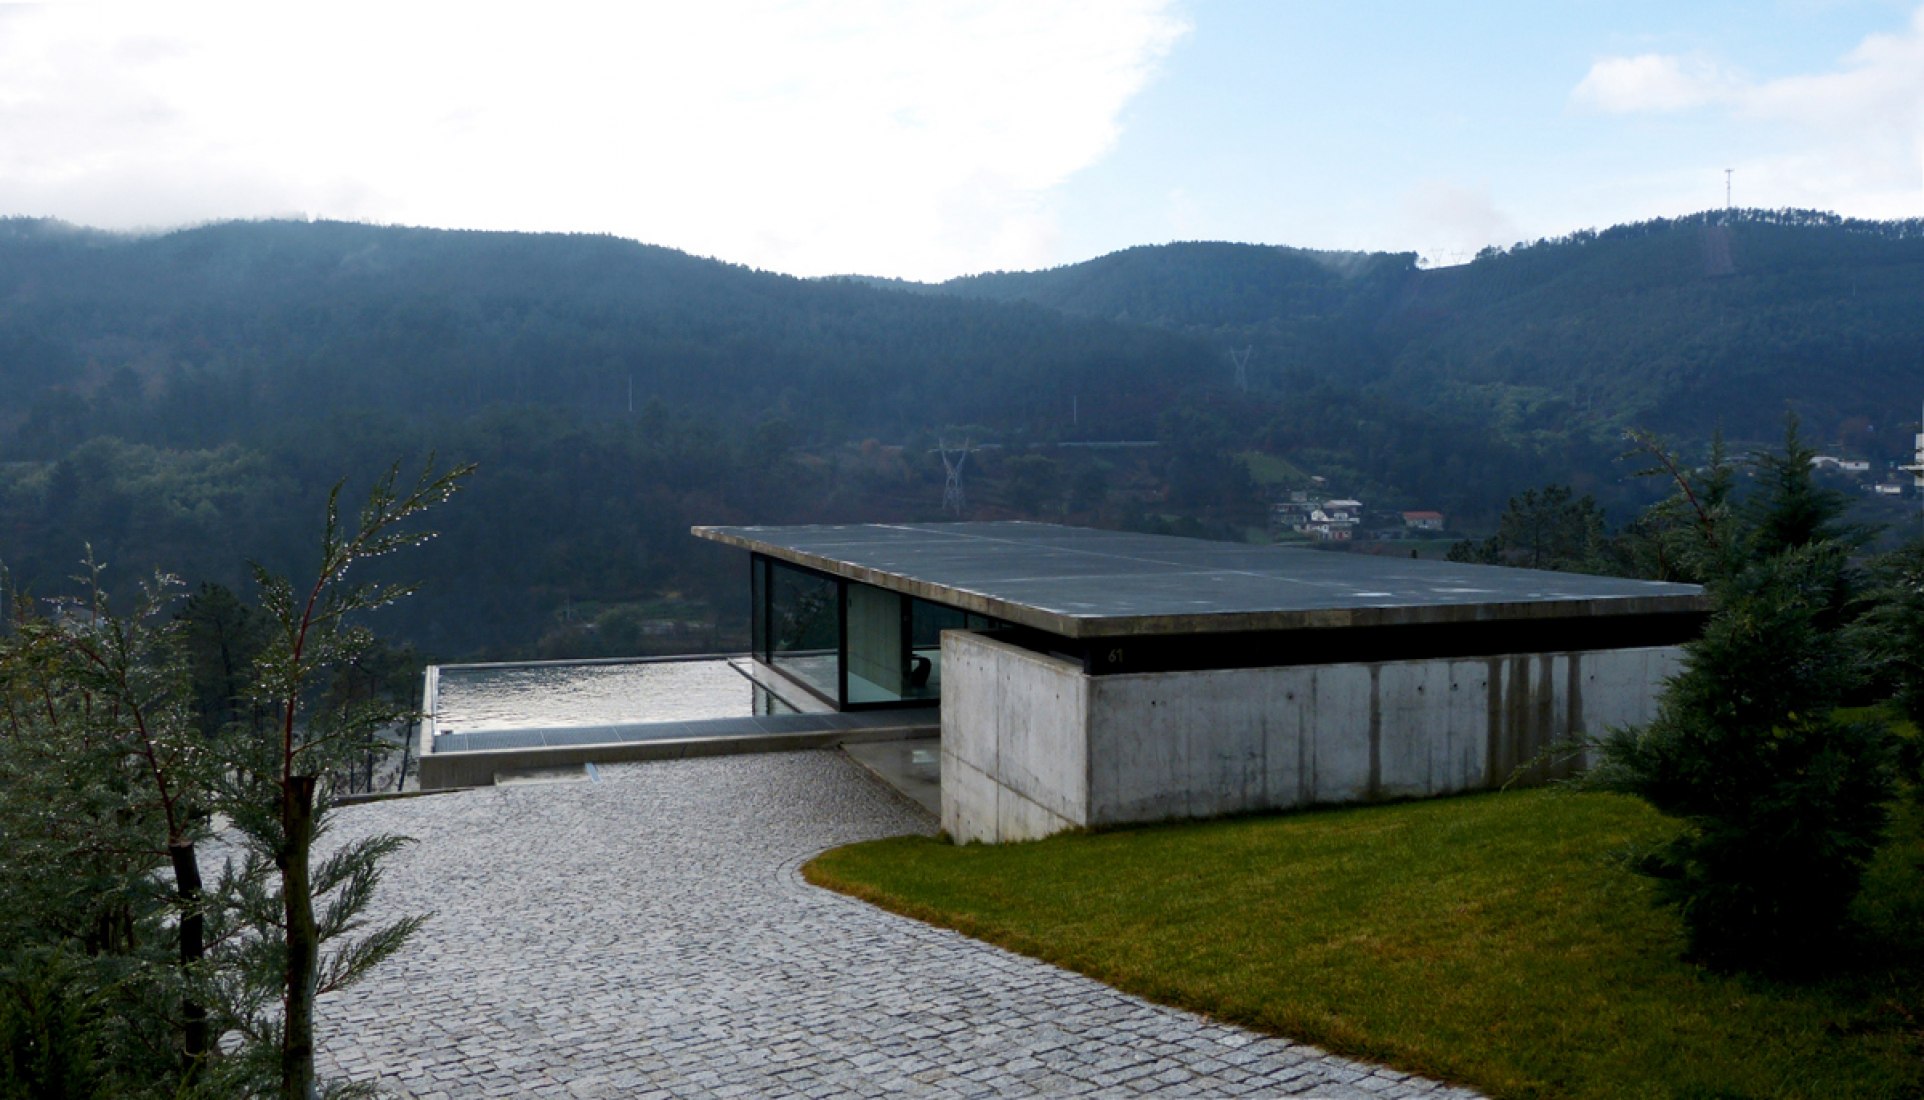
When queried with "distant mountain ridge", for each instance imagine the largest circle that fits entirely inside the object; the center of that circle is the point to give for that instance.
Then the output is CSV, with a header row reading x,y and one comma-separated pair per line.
x,y
1672,323
260,321
185,399
1201,284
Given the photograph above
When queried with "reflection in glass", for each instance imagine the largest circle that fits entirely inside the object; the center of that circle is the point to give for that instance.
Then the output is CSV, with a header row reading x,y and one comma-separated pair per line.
x,y
804,629
758,605
927,621
853,644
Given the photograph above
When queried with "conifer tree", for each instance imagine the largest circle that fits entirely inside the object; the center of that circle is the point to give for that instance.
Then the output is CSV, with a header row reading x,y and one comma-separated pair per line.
x,y
1890,634
1793,510
1783,802
278,794
107,781
112,764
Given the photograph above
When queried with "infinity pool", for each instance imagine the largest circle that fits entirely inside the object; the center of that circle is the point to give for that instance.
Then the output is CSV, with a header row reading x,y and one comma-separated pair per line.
x,y
470,698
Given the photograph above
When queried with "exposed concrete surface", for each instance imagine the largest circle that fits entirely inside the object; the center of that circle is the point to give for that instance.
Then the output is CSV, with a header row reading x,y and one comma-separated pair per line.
x,y
649,935
442,768
913,768
1015,762
1078,583
1031,745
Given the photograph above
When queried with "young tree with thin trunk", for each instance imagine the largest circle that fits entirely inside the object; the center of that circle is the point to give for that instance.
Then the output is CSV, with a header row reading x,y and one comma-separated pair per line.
x,y
278,788
113,765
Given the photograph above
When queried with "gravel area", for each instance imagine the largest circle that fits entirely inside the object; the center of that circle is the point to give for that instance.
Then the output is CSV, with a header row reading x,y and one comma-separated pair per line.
x,y
648,934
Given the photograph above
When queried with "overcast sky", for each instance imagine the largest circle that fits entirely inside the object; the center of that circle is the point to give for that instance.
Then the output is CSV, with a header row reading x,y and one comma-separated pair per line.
x,y
925,139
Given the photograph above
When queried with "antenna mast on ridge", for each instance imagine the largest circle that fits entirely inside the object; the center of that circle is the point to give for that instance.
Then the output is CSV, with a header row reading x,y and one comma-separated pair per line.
x,y
1717,238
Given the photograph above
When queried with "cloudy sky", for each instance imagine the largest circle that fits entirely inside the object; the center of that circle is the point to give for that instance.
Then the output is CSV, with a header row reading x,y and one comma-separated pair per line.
x,y
927,138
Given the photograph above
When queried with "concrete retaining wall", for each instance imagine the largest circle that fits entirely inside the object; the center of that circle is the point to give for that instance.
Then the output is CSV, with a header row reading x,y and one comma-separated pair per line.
x,y
1015,749
1031,745
456,770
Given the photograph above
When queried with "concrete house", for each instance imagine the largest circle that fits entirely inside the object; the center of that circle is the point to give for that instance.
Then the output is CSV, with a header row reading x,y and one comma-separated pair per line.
x,y
1093,678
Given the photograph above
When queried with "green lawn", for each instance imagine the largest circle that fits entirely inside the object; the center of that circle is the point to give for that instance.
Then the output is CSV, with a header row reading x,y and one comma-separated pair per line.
x,y
1493,941
1270,470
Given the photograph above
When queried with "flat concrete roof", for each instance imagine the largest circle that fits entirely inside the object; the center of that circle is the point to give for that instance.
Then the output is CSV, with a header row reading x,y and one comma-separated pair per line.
x,y
1083,583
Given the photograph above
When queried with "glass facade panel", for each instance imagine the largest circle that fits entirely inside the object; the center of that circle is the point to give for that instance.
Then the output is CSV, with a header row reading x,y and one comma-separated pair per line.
x,y
927,621
758,606
854,644
878,658
804,628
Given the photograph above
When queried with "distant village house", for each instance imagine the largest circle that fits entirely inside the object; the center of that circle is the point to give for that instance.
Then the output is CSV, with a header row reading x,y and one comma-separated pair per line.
x,y
1326,521
1423,521
1841,465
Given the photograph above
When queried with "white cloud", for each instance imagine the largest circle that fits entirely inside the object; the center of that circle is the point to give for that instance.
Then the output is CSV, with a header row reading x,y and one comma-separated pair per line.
x,y
1849,139
1653,82
801,135
1448,223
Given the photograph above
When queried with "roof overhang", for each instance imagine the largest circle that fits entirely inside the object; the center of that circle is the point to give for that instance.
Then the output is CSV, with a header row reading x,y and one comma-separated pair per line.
x,y
1082,583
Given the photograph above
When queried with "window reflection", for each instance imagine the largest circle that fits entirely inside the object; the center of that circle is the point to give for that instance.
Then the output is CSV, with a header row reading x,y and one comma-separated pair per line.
x,y
804,631
853,644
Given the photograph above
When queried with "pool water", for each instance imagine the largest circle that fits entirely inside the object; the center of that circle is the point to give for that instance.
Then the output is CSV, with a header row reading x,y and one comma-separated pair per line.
x,y
469,698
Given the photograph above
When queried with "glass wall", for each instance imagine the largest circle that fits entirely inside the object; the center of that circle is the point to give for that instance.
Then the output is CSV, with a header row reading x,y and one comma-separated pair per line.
x,y
877,656
853,644
758,606
803,628
927,621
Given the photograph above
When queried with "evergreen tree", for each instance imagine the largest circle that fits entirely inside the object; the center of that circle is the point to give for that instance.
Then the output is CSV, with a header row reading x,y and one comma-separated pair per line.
x,y
1792,510
106,781
1686,536
222,637
1547,528
1891,635
278,790
1783,802
148,981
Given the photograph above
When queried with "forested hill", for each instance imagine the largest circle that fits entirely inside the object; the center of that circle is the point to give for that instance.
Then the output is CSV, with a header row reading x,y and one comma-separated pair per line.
x,y
196,336
1210,286
185,399
1671,324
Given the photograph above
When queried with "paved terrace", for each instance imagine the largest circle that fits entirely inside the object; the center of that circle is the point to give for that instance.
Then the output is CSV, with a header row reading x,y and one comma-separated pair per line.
x,y
649,935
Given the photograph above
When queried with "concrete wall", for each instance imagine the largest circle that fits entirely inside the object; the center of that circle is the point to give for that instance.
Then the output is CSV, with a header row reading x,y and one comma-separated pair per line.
x,y
1032,746
1015,746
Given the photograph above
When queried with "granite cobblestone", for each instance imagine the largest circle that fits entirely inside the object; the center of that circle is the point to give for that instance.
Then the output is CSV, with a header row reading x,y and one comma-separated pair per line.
x,y
649,935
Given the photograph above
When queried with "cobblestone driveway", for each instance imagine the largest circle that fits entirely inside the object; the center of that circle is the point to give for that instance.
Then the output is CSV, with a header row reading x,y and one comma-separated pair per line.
x,y
650,935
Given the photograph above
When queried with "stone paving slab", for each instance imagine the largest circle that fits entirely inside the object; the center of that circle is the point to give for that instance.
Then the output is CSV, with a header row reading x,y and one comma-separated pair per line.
x,y
649,935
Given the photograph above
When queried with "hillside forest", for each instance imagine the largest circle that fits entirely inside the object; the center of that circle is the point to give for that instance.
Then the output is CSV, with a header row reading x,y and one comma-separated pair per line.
x,y
186,399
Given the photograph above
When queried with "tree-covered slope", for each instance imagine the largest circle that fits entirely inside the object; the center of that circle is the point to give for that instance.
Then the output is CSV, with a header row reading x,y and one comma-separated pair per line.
x,y
204,333
1681,324
1675,324
1290,310
185,399
1207,285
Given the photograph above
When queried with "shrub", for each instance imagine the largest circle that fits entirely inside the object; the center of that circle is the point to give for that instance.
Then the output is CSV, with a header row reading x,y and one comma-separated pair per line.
x,y
1784,800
